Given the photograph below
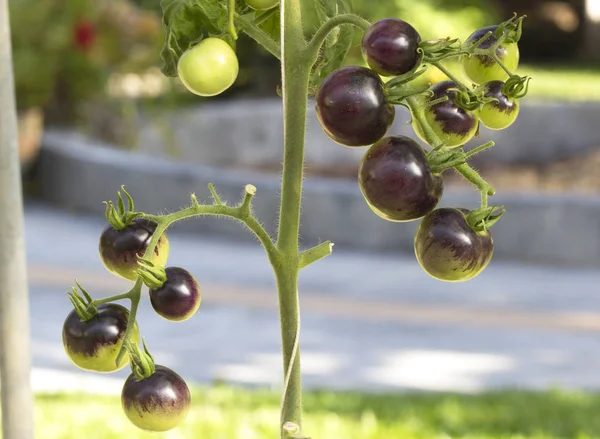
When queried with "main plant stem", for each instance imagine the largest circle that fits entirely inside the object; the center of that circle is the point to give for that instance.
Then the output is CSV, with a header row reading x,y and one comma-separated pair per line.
x,y
295,75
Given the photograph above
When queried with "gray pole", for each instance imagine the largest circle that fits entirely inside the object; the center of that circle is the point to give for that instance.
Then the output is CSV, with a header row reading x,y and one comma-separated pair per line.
x,y
15,357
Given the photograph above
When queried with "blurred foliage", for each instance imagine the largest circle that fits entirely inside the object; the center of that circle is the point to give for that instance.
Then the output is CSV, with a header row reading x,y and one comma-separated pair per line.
x,y
434,18
225,413
64,51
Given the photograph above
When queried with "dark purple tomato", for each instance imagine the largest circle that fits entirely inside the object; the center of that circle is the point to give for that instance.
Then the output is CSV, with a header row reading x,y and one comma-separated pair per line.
x,y
351,107
390,47
179,297
157,403
94,344
483,68
500,114
448,249
453,125
120,249
396,180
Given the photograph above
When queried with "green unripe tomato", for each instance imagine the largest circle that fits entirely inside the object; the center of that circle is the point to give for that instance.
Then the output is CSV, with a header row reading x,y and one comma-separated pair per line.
x,y
499,114
262,4
482,68
209,68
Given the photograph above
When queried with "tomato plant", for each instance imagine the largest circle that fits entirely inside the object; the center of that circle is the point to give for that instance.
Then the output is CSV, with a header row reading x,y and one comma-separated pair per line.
x,y
400,179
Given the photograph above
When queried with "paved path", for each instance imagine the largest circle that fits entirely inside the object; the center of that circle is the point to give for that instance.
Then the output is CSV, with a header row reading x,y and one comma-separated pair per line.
x,y
370,321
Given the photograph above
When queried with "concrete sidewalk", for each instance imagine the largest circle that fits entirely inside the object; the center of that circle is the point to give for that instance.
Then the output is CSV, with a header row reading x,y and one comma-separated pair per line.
x,y
370,321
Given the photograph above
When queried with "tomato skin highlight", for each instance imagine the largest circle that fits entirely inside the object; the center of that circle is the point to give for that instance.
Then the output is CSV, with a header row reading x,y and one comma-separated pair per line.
x,y
157,403
501,114
120,249
483,68
179,297
93,345
209,68
453,125
262,4
448,249
396,180
351,107
390,47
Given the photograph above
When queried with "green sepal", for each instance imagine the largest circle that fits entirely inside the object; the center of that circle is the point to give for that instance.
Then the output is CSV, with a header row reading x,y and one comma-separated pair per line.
x,y
485,217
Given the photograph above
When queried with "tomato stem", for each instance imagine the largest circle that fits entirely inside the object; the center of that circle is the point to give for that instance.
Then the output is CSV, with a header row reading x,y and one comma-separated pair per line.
x,y
473,176
417,112
479,149
501,64
104,300
446,72
296,63
315,253
321,35
231,16
258,35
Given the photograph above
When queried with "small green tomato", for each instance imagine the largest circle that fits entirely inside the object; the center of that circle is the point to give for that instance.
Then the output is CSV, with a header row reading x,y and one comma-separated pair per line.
x,y
209,68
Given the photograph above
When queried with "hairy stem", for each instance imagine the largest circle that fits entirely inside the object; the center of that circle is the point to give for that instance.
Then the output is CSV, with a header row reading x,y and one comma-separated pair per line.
x,y
464,169
231,16
473,176
258,35
295,69
321,35
446,72
98,302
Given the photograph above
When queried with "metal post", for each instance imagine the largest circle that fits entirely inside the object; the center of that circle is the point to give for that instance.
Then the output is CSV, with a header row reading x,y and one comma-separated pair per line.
x,y
15,356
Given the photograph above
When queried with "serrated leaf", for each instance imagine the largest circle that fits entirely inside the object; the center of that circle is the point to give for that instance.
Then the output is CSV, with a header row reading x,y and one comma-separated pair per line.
x,y
186,22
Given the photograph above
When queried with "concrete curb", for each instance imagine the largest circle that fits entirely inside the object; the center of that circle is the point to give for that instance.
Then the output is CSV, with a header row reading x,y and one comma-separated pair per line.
x,y
251,133
79,173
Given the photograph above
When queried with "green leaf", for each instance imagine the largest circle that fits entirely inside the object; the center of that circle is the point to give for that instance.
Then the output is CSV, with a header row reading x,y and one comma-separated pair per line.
x,y
186,22
270,22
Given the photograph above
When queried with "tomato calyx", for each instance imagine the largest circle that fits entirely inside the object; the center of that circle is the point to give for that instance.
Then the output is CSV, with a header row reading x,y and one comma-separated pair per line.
x,y
121,216
83,305
437,50
485,217
441,159
510,31
142,362
516,87
152,275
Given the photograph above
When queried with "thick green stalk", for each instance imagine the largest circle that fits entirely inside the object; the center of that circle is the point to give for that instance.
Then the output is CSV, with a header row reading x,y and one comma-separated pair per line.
x,y
295,75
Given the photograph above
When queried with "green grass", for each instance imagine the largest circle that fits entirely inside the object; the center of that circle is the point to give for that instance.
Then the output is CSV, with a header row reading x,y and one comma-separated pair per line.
x,y
229,413
573,82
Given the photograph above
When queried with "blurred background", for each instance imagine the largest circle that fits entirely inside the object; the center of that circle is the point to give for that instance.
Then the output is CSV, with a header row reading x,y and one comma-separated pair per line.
x,y
387,351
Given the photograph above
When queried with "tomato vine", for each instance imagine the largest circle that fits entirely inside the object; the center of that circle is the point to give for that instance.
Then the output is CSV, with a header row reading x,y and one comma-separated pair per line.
x,y
400,179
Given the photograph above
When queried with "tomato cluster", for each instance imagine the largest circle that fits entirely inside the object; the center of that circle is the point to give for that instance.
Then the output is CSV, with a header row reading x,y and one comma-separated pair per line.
x,y
400,180
154,397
